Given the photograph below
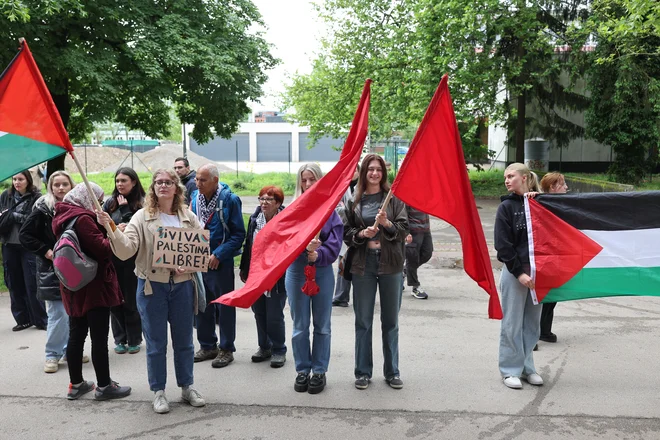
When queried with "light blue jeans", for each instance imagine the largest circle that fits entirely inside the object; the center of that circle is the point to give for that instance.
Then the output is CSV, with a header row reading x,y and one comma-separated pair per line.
x,y
57,331
304,309
521,327
171,303
364,300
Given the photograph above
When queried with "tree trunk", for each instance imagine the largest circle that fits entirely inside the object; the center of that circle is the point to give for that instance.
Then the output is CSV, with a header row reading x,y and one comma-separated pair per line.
x,y
520,128
64,108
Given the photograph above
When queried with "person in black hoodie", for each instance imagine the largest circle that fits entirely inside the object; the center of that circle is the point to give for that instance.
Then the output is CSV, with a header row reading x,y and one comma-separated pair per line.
x,y
269,308
19,263
182,169
36,235
520,326
127,198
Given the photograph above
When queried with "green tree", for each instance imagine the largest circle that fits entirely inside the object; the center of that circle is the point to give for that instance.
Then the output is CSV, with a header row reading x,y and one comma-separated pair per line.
x,y
501,57
623,78
126,60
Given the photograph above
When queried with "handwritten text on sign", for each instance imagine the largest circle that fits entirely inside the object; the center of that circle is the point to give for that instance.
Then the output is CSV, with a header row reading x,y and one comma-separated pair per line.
x,y
188,248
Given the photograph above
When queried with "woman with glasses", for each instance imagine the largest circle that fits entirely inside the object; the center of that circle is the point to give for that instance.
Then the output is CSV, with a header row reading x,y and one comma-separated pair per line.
x,y
127,198
163,295
377,265
89,307
269,308
318,308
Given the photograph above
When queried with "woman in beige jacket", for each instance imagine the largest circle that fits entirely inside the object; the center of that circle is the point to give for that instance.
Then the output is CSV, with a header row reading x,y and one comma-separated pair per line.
x,y
163,295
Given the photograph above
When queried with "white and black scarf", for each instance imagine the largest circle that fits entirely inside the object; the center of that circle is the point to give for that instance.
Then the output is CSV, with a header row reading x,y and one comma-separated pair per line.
x,y
205,210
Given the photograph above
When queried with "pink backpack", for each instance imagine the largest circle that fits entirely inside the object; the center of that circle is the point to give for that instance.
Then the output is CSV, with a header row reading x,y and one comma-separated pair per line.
x,y
72,266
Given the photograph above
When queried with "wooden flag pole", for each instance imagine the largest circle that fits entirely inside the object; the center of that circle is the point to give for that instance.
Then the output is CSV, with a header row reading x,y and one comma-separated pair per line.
x,y
89,190
385,203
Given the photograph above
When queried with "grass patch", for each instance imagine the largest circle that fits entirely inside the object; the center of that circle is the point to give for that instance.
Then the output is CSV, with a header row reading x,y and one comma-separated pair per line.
x,y
249,184
107,180
487,184
651,183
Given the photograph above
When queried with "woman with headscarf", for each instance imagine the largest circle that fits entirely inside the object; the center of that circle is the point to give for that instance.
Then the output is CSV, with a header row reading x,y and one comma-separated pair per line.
x,y
89,307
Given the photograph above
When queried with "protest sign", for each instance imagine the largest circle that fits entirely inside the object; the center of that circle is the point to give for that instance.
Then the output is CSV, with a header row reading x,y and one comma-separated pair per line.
x,y
184,247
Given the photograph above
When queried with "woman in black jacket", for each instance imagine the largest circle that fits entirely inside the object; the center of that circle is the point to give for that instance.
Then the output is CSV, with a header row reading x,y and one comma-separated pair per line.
x,y
127,198
20,264
269,308
36,235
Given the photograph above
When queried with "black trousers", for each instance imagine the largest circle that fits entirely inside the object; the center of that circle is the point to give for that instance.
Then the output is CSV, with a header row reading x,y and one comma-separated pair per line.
x,y
21,279
418,252
547,314
97,321
126,322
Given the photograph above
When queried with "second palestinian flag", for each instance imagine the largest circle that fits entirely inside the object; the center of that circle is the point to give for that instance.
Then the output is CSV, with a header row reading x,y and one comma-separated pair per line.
x,y
594,245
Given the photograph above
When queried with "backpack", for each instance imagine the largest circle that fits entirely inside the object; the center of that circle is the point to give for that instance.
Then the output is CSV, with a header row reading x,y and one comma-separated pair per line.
x,y
72,266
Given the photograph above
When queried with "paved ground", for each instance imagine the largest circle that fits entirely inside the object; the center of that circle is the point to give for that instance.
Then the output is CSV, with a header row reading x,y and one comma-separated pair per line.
x,y
599,379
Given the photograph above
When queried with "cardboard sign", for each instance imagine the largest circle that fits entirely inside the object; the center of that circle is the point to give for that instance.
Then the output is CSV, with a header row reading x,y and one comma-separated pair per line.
x,y
185,247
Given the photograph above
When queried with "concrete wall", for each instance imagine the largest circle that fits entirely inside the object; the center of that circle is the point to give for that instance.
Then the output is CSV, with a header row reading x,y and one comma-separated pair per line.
x,y
220,149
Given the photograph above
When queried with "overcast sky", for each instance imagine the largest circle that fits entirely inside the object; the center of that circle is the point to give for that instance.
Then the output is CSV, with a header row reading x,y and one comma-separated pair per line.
x,y
294,31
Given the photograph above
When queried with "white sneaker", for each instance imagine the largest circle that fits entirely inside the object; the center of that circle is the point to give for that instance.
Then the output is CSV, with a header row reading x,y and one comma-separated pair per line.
x,y
513,382
161,406
533,379
192,396
85,359
51,366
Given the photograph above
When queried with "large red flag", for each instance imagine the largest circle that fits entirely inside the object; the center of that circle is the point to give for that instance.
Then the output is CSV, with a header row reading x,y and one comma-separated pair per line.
x,y
435,163
31,130
285,237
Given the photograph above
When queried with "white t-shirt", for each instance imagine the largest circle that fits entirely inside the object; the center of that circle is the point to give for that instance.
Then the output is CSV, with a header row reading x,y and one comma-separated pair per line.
x,y
171,221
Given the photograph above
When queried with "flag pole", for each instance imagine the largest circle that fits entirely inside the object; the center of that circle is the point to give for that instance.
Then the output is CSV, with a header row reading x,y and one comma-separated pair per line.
x,y
385,203
97,205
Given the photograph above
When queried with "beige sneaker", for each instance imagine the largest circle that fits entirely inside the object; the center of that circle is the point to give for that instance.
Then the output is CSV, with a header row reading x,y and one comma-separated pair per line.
x,y
51,366
85,359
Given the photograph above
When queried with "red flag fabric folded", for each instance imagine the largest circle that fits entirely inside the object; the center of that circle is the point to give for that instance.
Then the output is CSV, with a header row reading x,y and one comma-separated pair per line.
x,y
435,163
285,237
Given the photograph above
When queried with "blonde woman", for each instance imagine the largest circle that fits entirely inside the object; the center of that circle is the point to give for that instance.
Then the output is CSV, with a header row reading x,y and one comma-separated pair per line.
x,y
163,296
520,325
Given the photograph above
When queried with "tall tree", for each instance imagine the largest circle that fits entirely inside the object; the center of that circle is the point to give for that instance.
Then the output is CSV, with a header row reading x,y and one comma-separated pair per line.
x,y
501,55
126,60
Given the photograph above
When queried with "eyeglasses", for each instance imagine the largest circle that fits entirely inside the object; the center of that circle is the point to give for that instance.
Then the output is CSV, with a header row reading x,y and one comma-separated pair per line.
x,y
266,199
165,183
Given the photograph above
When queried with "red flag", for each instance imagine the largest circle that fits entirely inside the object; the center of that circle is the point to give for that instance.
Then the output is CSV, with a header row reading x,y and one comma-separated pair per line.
x,y
435,162
31,130
285,237
553,263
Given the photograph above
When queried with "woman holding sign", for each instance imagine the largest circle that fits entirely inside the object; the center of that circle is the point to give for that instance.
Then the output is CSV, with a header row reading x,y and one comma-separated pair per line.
x,y
163,295
322,251
376,237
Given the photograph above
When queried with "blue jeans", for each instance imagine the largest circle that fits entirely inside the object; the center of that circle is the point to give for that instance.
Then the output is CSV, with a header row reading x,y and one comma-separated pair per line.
x,y
57,334
269,315
520,328
217,283
305,308
342,288
364,300
171,303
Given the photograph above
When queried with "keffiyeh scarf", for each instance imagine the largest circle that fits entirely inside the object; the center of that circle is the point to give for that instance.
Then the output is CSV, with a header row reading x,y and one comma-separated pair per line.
x,y
204,210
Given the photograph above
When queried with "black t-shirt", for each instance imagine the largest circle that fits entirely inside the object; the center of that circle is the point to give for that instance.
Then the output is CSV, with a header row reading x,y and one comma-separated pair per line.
x,y
370,204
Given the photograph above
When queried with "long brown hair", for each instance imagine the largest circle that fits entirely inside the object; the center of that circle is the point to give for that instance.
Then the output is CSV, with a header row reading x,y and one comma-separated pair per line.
x,y
550,180
362,180
151,201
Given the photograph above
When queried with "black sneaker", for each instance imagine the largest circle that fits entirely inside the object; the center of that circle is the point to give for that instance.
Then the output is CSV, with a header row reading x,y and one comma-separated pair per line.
x,y
316,383
362,383
395,382
76,391
261,355
419,293
19,327
112,391
302,382
549,338
536,347
278,360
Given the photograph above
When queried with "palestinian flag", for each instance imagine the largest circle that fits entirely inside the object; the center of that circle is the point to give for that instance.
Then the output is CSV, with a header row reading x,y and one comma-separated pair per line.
x,y
31,130
594,245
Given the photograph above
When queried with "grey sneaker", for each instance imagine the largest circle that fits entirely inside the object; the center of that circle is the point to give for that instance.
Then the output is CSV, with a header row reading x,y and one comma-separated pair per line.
x,y
112,391
395,382
419,293
161,405
205,355
224,358
192,396
278,360
261,355
362,383
76,391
